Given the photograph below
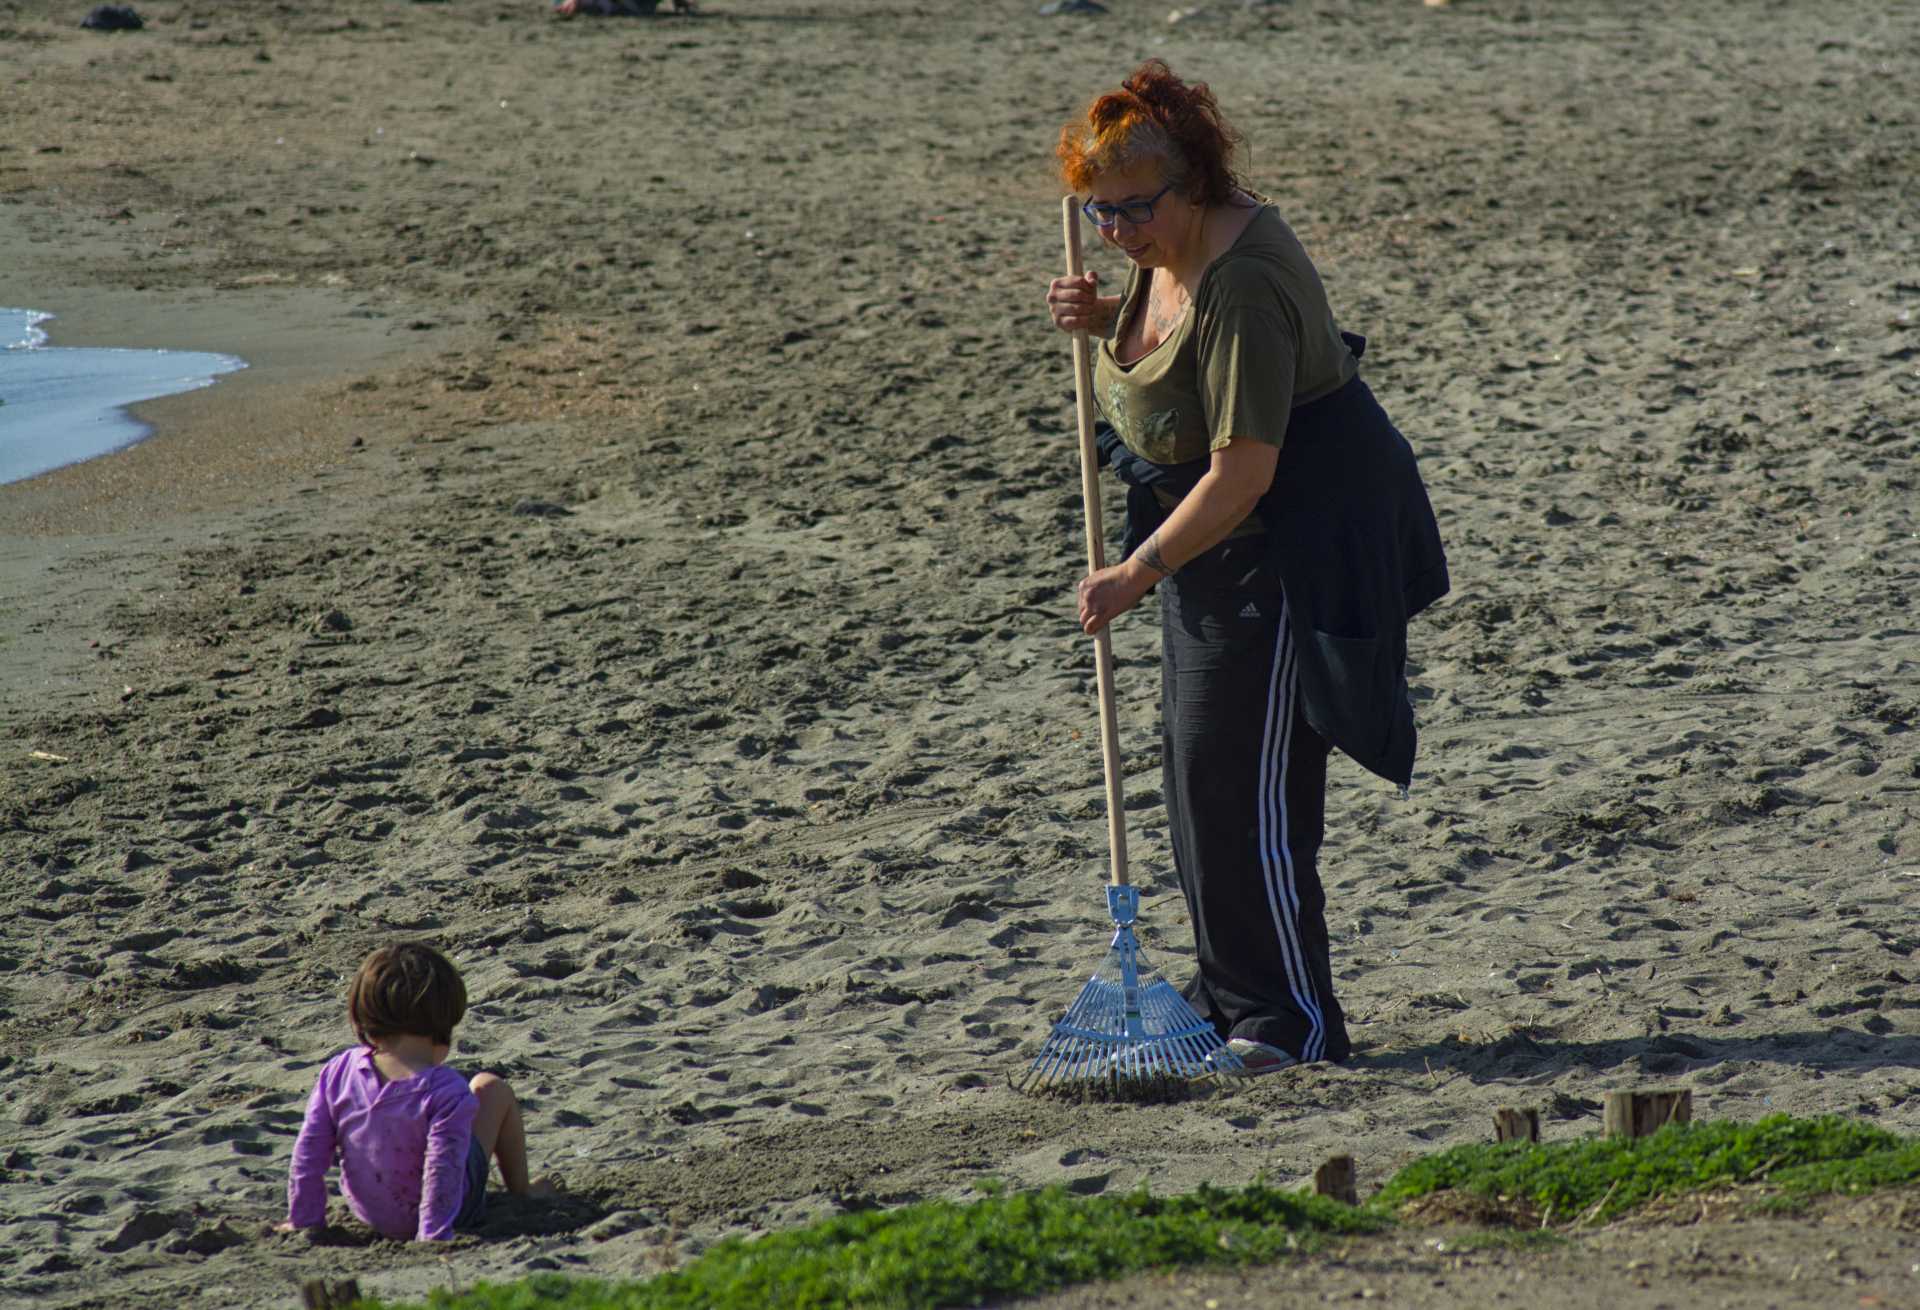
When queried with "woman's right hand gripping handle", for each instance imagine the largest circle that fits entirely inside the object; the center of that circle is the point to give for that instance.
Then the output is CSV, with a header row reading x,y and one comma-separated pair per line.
x,y
1076,305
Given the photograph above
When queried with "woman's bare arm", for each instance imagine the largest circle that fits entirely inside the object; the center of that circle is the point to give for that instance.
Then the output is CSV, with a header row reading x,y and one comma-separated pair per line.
x,y
1240,473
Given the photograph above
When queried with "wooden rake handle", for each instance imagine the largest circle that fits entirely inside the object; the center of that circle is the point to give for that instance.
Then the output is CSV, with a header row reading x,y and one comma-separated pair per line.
x,y
1096,559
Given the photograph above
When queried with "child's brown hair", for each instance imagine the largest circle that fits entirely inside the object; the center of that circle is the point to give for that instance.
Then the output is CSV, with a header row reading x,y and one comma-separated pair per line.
x,y
406,989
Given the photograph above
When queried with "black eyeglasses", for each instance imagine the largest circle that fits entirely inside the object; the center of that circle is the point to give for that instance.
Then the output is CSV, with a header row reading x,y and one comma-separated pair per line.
x,y
1135,212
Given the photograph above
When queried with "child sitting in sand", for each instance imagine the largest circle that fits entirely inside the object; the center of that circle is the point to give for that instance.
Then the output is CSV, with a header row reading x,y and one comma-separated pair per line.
x,y
412,1137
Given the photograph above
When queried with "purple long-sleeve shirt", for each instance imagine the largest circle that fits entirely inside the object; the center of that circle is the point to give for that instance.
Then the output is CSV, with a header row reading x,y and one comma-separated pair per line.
x,y
402,1147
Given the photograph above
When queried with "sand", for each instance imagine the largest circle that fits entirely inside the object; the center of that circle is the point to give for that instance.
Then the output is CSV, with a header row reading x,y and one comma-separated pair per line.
x,y
639,561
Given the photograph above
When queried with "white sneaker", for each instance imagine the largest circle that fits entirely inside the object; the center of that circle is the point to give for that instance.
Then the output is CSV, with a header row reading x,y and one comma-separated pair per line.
x,y
1259,1057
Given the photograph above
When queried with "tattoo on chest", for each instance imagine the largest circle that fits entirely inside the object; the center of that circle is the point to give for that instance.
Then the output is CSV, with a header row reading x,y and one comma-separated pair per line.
x,y
1163,314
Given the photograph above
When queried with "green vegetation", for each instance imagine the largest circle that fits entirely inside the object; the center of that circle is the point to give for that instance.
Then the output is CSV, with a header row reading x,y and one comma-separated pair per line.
x,y
1596,1179
942,1253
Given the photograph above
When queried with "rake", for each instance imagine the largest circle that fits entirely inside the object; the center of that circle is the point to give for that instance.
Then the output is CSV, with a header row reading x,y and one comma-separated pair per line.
x,y
1129,1027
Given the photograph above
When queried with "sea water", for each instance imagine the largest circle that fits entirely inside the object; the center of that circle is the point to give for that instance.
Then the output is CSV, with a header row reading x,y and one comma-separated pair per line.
x,y
62,404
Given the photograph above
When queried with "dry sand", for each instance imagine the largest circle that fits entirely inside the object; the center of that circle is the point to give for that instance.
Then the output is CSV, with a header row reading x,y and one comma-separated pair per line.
x,y
639,560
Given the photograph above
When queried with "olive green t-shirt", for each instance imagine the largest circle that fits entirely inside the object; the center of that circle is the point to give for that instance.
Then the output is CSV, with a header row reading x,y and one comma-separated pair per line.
x,y
1258,340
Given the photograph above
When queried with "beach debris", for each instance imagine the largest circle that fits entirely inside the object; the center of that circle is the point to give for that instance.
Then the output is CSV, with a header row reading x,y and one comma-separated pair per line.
x,y
113,18
49,757
540,509
329,621
1062,8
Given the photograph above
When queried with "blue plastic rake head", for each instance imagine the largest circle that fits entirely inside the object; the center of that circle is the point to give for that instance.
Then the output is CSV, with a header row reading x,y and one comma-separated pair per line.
x,y
1128,1024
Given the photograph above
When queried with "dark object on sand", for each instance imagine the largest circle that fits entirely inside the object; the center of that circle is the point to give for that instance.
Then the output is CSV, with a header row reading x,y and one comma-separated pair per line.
x,y
113,18
1056,8
618,8
322,1294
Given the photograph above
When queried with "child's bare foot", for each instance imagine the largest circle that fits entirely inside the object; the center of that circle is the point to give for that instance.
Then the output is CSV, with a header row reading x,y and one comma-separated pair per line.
x,y
545,1185
565,8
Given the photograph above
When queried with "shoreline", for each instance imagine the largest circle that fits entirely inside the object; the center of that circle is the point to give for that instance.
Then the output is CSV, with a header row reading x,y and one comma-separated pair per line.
x,y
73,420
302,347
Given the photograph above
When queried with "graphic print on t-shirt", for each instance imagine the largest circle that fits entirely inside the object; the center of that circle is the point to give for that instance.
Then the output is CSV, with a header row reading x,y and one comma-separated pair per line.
x,y
1152,437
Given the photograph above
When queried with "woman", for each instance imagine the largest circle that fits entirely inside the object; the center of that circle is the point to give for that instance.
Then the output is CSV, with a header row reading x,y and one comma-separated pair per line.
x,y
1281,517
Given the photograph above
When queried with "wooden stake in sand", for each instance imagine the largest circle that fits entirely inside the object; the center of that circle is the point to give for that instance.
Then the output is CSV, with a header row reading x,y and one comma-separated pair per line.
x,y
1637,1114
1513,1124
1335,1179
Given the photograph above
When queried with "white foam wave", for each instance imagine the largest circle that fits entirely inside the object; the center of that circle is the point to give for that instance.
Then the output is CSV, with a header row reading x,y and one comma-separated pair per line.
x,y
20,329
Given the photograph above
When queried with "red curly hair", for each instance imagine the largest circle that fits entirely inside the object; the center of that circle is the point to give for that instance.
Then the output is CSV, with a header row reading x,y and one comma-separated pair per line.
x,y
1155,116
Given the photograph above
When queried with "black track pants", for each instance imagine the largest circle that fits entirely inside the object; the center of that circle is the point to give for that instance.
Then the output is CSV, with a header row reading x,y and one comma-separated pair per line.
x,y
1245,780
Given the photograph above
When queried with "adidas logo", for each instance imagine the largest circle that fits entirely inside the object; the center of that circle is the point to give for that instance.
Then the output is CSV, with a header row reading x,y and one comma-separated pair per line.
x,y
1250,611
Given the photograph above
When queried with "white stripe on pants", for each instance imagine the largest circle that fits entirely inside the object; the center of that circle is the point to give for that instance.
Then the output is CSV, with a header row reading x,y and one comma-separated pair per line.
x,y
1276,860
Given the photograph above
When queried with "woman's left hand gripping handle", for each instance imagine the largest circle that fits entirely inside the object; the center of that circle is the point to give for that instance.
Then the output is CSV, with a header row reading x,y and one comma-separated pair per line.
x,y
1075,304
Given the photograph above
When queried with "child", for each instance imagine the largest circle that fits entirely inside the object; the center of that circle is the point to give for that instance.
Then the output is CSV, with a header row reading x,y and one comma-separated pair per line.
x,y
412,1138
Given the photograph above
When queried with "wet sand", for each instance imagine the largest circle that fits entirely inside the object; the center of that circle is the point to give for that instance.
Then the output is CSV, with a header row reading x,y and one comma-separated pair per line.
x,y
639,560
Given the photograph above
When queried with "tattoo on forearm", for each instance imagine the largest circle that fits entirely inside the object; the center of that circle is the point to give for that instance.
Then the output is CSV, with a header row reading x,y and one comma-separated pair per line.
x,y
1149,555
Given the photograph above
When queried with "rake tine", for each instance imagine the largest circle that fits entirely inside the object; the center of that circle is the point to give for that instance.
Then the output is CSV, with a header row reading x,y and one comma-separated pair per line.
x,y
1064,1057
